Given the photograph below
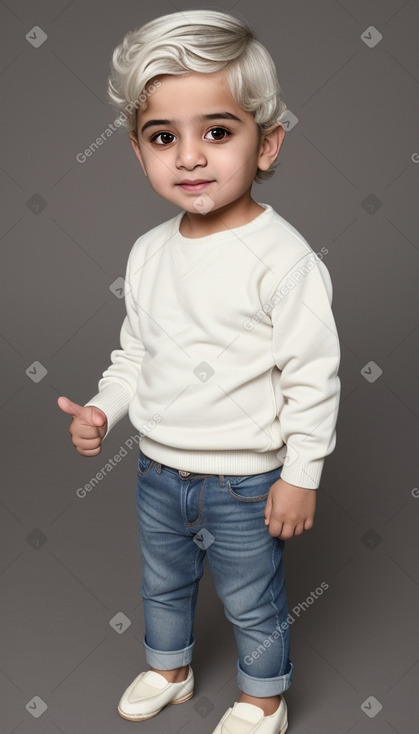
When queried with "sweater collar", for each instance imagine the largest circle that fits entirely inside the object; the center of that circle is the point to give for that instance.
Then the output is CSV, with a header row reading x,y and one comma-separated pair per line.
x,y
226,234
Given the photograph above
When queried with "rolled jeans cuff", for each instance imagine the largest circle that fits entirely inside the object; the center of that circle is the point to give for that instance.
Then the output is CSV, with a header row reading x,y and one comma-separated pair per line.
x,y
166,659
263,687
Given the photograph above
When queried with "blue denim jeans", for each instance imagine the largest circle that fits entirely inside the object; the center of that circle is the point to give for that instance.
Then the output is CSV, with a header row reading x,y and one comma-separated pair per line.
x,y
184,516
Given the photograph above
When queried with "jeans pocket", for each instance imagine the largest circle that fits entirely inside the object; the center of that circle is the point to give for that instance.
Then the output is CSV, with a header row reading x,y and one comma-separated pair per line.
x,y
248,491
252,488
144,464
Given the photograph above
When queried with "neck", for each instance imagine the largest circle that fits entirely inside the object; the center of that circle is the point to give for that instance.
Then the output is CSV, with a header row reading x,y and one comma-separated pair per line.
x,y
202,225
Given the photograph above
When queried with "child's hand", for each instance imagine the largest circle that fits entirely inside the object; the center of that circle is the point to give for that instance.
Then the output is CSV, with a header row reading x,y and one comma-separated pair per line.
x,y
289,509
87,428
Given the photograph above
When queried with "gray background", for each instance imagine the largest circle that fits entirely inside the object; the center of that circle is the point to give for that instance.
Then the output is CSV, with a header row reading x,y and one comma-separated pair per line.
x,y
348,180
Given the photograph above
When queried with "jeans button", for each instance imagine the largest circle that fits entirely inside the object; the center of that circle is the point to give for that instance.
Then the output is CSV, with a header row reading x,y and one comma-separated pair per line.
x,y
184,473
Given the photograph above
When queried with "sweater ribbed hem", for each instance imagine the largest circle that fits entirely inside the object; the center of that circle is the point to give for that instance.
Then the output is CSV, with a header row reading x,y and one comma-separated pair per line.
x,y
241,462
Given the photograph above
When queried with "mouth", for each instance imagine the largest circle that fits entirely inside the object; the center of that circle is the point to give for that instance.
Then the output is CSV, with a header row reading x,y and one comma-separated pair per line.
x,y
196,185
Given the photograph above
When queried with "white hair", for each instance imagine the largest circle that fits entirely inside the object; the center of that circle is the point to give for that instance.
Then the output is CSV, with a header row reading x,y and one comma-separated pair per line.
x,y
200,41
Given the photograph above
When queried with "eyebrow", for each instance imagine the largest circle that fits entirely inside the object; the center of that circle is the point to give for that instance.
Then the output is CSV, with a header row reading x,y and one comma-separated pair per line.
x,y
212,116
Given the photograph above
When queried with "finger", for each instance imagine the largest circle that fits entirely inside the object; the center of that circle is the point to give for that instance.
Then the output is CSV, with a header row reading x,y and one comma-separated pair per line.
x,y
92,451
275,527
287,531
96,417
268,510
87,444
84,432
68,406
89,452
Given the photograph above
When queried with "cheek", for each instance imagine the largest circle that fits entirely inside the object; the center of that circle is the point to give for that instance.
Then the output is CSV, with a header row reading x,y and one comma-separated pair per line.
x,y
158,169
240,168
240,157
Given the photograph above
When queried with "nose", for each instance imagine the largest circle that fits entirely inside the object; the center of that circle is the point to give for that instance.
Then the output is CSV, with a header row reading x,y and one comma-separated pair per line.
x,y
190,153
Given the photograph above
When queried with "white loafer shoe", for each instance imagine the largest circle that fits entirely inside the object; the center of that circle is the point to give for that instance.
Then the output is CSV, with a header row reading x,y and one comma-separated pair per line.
x,y
245,718
150,692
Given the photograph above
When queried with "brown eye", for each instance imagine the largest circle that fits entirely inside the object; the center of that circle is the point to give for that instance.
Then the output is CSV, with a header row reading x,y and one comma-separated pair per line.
x,y
165,138
218,133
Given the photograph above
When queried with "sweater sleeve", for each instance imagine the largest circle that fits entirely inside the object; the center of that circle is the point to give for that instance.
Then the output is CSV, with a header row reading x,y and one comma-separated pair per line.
x,y
118,384
306,350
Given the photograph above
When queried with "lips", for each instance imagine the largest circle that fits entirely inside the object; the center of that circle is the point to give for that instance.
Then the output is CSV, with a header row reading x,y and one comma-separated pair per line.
x,y
194,181
194,185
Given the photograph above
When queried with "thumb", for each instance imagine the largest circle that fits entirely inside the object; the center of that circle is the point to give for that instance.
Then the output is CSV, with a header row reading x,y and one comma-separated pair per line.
x,y
68,406
89,413
97,416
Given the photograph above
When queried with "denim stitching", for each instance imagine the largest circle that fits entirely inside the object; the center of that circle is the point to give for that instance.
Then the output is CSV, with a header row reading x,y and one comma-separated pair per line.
x,y
278,627
144,473
200,506
259,498
191,596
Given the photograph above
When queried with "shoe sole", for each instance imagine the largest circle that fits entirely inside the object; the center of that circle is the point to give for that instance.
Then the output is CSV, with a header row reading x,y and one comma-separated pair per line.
x,y
150,716
284,729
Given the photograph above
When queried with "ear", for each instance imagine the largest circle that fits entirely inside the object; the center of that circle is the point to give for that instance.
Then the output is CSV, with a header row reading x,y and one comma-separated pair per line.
x,y
270,146
136,147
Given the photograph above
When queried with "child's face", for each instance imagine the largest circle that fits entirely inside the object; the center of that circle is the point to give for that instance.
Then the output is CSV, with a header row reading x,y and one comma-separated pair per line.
x,y
199,149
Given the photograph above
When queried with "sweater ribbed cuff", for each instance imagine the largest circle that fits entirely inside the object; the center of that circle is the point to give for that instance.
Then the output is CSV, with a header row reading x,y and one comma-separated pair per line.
x,y
304,474
114,400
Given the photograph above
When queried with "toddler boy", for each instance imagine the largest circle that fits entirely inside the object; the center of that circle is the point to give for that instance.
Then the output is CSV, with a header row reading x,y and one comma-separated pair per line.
x,y
228,361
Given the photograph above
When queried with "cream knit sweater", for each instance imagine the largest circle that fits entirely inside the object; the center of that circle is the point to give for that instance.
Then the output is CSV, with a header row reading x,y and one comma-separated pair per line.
x,y
229,351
